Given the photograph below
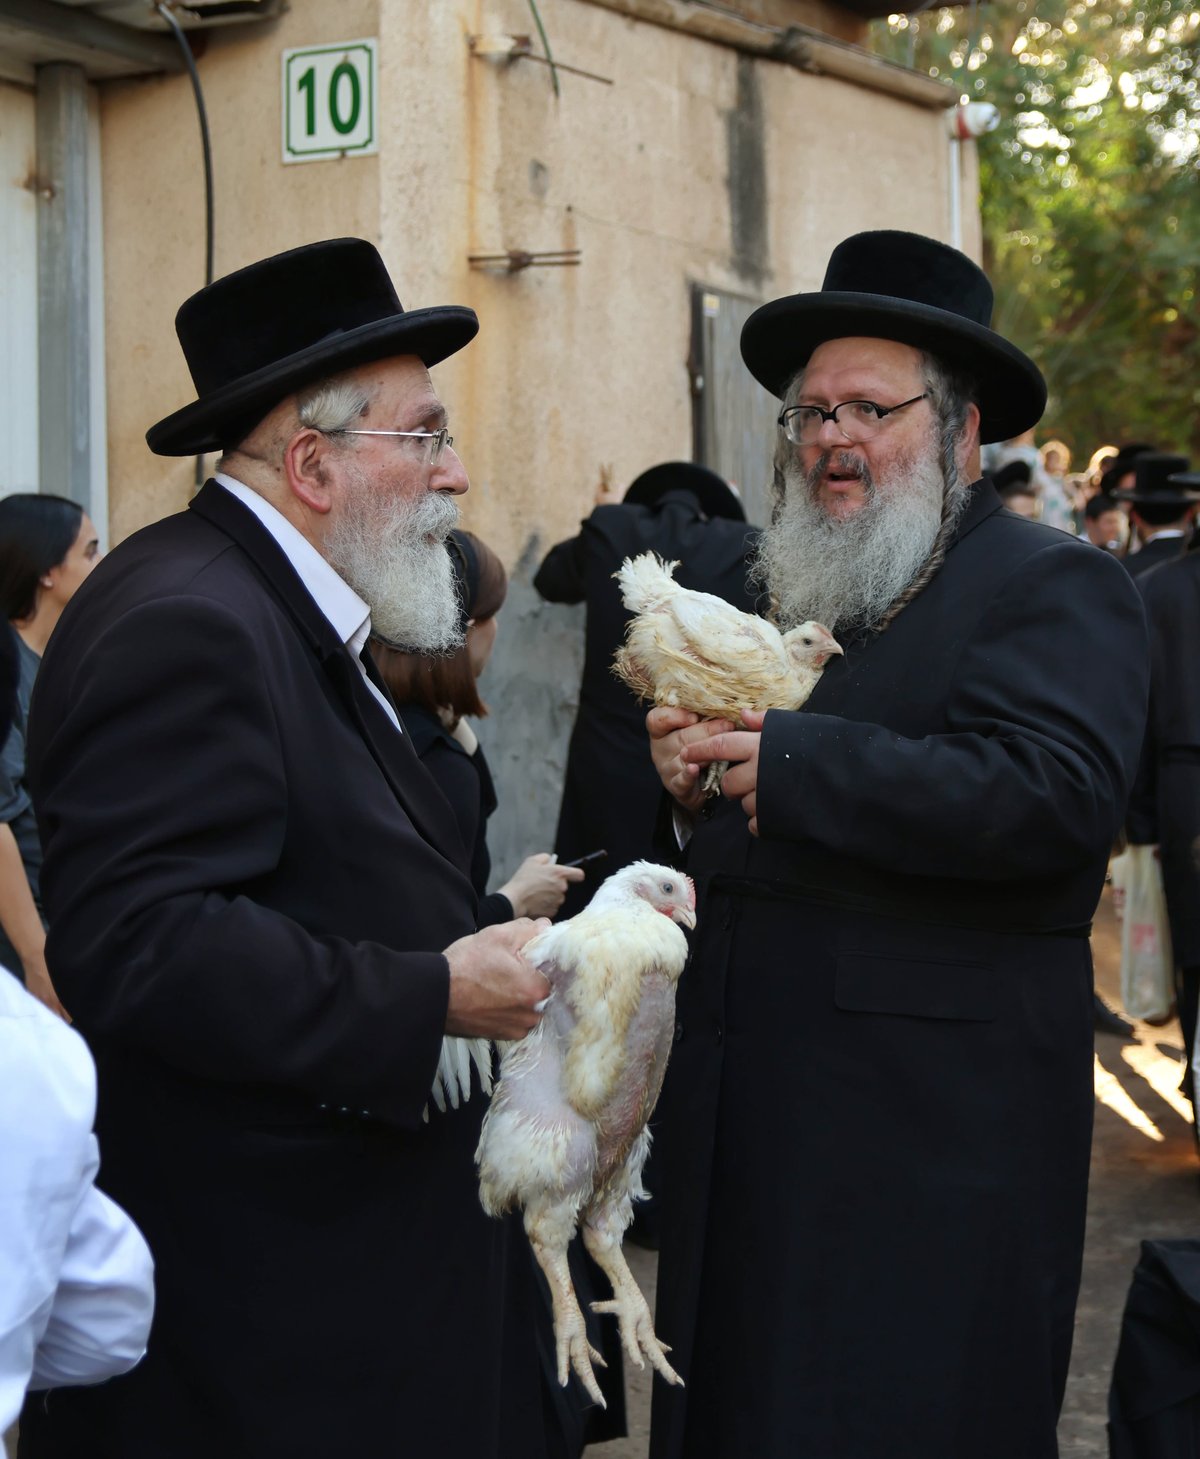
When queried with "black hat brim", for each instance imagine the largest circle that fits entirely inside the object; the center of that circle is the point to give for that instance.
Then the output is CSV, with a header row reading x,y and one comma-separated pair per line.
x,y
225,416
710,490
1180,498
779,339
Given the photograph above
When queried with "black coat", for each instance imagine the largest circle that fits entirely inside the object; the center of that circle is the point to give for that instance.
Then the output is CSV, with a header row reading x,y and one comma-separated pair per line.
x,y
1165,808
1154,554
250,876
465,779
1154,1401
611,793
878,1112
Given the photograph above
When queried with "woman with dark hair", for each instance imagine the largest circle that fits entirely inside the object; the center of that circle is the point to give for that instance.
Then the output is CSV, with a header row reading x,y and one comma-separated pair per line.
x,y
48,545
435,696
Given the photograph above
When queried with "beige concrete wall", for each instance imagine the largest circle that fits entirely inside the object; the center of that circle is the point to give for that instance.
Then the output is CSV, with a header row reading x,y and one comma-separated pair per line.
x,y
575,367
153,184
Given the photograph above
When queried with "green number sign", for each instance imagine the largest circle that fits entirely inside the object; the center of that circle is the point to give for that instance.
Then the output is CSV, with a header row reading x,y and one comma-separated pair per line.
x,y
329,101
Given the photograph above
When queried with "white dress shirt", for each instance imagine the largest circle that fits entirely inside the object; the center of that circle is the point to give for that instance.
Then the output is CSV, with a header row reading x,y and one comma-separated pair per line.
x,y
76,1276
337,600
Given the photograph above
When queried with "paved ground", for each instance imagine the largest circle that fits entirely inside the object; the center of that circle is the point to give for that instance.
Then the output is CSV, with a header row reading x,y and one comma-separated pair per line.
x,y
1145,1183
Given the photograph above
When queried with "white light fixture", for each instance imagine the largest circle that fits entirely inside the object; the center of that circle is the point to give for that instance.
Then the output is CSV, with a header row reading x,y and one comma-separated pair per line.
x,y
972,119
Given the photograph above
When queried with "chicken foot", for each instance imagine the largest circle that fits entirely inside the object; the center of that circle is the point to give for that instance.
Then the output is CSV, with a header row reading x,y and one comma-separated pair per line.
x,y
628,1305
570,1334
710,781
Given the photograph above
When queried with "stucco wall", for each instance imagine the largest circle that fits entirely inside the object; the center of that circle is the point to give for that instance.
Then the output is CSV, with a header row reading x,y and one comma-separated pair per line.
x,y
154,222
698,165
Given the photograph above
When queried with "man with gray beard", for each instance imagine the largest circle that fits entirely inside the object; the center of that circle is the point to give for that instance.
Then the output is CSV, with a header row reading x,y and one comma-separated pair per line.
x,y
262,920
877,1119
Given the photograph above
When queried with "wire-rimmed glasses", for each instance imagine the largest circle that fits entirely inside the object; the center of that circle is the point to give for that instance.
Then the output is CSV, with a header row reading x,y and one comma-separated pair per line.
x,y
436,441
858,420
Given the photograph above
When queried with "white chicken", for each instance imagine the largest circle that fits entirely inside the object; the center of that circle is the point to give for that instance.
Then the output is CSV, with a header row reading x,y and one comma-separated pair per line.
x,y
565,1137
694,651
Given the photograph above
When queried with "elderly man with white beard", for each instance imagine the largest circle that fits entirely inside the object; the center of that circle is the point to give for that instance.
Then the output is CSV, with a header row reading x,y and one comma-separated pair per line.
x,y
877,1117
261,914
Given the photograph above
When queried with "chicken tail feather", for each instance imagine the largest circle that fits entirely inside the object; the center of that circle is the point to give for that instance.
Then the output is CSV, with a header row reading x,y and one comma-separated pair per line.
x,y
645,581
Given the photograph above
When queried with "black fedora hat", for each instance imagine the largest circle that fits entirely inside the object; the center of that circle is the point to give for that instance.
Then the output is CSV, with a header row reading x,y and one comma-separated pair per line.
x,y
253,337
1122,463
904,287
1157,482
713,492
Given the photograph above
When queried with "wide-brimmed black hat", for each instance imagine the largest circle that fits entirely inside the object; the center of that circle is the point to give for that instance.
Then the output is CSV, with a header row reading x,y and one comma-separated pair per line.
x,y
257,335
1157,481
1122,463
904,287
713,492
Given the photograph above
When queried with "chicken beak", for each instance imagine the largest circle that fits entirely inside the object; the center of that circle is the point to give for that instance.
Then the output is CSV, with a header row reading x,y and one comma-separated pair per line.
x,y
685,916
829,645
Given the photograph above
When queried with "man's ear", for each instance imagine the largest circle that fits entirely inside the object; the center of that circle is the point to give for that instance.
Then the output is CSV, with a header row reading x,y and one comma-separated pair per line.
x,y
306,469
967,454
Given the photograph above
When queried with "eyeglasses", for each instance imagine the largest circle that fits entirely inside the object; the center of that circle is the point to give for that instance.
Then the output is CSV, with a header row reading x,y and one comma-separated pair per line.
x,y
861,420
437,441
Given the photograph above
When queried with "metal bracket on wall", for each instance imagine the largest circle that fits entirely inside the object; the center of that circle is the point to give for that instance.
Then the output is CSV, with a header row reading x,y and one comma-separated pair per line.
x,y
513,260
506,49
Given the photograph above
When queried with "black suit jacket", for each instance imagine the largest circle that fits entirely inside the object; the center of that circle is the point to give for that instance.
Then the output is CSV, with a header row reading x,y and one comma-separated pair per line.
x,y
611,793
876,1124
465,779
1165,807
250,877
1154,554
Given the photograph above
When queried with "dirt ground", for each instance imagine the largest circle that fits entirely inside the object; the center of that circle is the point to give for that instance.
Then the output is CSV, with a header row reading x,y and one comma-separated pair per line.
x,y
1145,1182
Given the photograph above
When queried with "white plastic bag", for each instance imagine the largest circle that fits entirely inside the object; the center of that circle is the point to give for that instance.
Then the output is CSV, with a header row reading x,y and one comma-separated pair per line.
x,y
1147,964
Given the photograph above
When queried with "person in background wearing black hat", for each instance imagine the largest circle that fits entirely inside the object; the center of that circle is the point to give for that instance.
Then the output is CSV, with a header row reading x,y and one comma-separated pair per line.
x,y
1116,471
1162,511
260,913
685,513
1164,808
881,1091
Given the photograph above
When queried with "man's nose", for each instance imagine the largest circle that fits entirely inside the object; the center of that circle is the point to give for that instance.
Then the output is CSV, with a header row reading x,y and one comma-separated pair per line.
x,y
831,433
450,474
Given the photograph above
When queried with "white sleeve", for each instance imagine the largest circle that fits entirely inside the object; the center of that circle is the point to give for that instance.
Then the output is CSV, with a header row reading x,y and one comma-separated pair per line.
x,y
75,1274
100,1317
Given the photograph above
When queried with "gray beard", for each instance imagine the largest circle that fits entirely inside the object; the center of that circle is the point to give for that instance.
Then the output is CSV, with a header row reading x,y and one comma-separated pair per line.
x,y
847,572
381,547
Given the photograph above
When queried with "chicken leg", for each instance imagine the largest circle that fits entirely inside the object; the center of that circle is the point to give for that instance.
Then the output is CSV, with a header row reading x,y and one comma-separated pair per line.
x,y
550,1230
602,1232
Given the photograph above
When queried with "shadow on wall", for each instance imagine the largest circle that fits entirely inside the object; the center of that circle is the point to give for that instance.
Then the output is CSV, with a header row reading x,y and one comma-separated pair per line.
x,y
532,690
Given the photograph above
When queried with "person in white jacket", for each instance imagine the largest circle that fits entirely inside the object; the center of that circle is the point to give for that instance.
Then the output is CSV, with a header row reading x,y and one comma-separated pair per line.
x,y
76,1275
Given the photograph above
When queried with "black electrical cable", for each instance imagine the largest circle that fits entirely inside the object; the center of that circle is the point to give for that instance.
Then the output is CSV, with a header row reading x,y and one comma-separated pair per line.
x,y
206,144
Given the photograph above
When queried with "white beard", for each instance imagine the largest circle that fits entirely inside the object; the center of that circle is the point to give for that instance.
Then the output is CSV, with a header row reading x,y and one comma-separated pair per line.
x,y
848,571
382,547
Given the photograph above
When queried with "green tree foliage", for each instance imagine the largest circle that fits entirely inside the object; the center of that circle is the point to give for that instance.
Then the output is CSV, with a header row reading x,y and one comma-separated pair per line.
x,y
1090,197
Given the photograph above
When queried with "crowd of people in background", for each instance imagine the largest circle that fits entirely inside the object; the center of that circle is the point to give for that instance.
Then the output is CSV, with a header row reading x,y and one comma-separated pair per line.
x,y
1103,502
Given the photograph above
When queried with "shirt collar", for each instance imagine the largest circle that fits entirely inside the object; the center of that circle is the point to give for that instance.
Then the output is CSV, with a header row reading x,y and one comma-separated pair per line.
x,y
337,600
